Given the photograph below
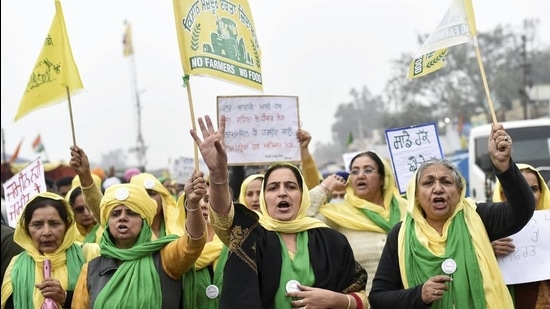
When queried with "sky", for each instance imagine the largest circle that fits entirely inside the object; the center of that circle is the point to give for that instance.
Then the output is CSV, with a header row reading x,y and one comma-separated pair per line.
x,y
317,50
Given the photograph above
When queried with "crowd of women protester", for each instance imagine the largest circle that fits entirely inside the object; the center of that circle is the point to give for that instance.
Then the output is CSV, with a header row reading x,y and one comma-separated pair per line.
x,y
282,242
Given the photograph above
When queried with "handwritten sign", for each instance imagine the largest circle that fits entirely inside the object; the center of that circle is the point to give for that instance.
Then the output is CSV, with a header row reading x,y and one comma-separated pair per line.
x,y
529,262
183,167
409,147
260,129
20,188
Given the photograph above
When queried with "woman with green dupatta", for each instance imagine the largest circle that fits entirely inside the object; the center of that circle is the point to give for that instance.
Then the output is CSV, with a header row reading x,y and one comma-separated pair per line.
x,y
134,271
440,256
287,259
46,230
371,207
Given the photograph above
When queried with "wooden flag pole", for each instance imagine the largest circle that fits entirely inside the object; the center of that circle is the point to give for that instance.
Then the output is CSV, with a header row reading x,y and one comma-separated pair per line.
x,y
71,114
484,79
187,84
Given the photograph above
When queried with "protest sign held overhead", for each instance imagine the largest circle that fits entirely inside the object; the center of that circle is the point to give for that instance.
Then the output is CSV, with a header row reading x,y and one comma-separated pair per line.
x,y
410,147
260,129
218,39
19,189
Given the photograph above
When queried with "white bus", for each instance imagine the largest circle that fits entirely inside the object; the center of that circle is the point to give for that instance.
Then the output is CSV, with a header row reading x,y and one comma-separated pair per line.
x,y
531,145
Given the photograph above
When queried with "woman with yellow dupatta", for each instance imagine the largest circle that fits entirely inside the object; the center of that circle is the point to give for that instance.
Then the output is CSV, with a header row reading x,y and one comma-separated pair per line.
x,y
46,230
249,195
440,256
133,270
89,230
286,260
371,207
528,295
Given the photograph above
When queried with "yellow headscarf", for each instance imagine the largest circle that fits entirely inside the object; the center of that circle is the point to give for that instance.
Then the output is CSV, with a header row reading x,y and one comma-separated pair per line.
x,y
544,199
353,218
81,231
302,222
244,186
58,258
130,195
496,292
174,216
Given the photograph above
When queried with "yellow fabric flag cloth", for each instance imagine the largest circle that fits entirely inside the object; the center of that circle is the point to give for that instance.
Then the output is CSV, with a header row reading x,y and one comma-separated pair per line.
x,y
55,75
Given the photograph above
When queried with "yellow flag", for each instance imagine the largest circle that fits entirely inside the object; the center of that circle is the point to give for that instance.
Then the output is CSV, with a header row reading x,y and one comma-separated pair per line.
x,y
128,47
427,63
55,71
457,27
218,39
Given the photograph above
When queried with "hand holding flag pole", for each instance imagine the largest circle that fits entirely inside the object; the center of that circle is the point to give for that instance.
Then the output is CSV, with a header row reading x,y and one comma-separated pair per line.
x,y
187,86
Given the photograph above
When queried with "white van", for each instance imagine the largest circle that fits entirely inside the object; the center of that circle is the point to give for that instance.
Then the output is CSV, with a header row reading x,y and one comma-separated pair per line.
x,y
530,145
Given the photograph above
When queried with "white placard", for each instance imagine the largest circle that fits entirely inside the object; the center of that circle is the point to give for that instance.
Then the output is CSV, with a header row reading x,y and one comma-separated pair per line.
x,y
409,147
20,188
530,261
260,129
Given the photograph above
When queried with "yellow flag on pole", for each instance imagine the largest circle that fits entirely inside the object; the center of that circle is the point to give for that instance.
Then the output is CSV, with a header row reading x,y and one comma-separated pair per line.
x,y
219,39
457,26
55,71
128,47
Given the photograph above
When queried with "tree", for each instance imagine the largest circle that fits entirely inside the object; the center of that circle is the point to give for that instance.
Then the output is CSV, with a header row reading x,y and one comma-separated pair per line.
x,y
454,91
457,89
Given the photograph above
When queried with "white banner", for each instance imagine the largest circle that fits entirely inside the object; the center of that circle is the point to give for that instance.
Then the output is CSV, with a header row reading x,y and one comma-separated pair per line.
x,y
530,261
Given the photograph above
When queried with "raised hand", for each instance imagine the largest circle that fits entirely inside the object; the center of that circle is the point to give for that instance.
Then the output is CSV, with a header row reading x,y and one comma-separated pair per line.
x,y
212,144
81,165
500,147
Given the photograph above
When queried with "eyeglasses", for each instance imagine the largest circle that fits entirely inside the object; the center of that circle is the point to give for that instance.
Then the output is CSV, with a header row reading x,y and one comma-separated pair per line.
x,y
367,171
80,210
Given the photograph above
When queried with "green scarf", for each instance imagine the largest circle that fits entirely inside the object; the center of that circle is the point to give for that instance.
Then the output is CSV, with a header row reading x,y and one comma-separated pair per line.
x,y
196,281
421,264
395,216
22,276
125,288
90,237
298,269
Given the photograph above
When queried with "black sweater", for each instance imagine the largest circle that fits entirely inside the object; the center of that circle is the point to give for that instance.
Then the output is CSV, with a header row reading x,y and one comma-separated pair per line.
x,y
500,220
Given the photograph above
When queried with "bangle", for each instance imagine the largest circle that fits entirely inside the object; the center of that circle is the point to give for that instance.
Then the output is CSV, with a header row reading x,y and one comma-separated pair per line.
x,y
327,190
191,237
220,183
349,302
191,210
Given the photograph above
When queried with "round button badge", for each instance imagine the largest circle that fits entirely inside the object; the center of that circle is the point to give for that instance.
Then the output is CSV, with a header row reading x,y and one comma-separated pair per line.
x,y
292,286
448,266
122,194
212,291
149,183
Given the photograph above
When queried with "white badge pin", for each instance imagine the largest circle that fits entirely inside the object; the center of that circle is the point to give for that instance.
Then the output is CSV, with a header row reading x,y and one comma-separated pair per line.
x,y
149,183
448,266
122,194
292,286
212,291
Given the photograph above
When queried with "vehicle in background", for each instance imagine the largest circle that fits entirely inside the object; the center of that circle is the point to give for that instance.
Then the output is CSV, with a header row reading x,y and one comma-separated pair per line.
x,y
531,145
